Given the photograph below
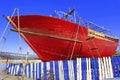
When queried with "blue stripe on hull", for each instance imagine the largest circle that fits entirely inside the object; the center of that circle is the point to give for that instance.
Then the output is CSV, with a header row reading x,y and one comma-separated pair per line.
x,y
56,70
33,71
45,71
66,72
75,69
51,67
84,69
29,72
38,71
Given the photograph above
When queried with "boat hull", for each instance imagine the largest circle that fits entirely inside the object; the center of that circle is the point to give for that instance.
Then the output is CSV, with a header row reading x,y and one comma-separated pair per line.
x,y
60,46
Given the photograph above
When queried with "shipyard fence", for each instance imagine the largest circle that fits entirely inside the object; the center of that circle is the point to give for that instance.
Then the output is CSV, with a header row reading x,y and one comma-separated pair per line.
x,y
79,69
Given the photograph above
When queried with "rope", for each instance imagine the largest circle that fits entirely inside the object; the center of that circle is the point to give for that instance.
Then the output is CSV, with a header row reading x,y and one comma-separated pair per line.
x,y
69,45
85,39
20,48
5,40
20,42
84,36
3,34
92,43
3,44
7,26
27,54
76,36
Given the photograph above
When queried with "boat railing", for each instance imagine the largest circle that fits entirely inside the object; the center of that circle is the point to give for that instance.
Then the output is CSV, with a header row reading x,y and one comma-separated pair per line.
x,y
72,16
97,28
65,16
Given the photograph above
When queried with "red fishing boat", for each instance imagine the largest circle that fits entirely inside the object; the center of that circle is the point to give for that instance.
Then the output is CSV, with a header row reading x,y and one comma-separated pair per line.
x,y
59,38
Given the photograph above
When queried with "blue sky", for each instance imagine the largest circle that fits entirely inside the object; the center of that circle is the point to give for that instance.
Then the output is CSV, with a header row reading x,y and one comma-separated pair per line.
x,y
102,12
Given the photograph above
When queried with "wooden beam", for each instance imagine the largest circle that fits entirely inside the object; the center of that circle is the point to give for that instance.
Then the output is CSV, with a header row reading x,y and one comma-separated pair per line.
x,y
49,36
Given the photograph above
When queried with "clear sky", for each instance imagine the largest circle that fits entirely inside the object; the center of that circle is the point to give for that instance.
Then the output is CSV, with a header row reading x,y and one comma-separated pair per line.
x,y
102,12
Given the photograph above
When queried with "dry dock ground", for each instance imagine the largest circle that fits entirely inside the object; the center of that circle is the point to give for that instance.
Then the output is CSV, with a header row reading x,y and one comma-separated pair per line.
x,y
9,77
5,76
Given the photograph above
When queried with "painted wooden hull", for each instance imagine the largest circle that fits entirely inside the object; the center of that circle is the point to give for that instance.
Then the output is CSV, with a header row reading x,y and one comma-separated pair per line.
x,y
51,48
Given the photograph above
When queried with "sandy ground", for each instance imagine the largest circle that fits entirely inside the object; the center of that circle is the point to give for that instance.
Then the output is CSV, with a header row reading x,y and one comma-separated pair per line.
x,y
9,77
5,76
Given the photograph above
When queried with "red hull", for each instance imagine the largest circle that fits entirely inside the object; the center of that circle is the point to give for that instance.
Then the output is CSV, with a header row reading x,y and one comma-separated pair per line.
x,y
49,49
